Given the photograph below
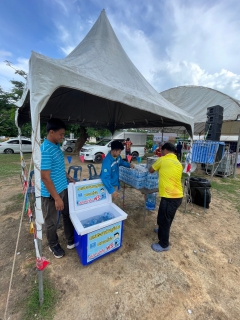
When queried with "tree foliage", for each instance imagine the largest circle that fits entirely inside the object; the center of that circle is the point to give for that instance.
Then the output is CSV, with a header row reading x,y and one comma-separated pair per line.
x,y
84,133
7,108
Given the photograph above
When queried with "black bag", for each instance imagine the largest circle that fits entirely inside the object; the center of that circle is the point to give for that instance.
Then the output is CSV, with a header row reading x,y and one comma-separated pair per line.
x,y
200,190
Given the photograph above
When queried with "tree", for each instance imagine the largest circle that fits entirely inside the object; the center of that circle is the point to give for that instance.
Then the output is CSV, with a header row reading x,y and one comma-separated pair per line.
x,y
85,133
17,71
7,109
82,133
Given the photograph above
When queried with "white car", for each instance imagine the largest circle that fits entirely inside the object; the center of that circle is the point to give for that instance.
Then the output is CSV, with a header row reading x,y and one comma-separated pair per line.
x,y
12,145
95,152
69,145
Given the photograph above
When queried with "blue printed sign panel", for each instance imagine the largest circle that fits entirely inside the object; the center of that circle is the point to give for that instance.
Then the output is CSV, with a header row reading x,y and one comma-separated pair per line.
x,y
89,193
104,240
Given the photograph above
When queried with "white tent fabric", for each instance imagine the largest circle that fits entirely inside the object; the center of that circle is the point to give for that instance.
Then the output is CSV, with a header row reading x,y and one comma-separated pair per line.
x,y
96,85
196,99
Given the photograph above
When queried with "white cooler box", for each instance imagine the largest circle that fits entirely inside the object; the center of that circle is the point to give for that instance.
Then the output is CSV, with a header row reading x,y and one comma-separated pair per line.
x,y
89,203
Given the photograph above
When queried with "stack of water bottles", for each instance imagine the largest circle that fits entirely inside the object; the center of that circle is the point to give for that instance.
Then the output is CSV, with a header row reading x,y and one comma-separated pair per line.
x,y
151,180
97,219
134,177
139,177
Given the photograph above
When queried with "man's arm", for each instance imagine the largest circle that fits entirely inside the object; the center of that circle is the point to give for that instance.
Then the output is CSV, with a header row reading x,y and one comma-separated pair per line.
x,y
151,170
46,179
125,163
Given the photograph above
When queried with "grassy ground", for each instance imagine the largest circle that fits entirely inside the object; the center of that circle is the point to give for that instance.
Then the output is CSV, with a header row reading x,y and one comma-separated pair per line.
x,y
16,202
229,188
32,308
10,164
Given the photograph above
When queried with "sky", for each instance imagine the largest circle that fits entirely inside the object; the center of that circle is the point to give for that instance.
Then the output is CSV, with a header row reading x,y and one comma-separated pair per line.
x,y
171,42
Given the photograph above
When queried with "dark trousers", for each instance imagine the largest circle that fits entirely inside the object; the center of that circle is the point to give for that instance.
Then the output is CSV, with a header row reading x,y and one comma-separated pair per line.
x,y
179,156
166,214
51,216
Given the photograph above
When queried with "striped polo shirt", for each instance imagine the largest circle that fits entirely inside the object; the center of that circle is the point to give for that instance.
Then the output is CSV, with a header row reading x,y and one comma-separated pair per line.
x,y
53,159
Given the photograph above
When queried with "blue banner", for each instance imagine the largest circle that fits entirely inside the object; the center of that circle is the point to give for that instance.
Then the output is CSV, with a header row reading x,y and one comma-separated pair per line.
x,y
89,193
103,241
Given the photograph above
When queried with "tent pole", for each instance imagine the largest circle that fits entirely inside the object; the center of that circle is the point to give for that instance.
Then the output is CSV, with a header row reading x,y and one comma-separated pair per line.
x,y
36,138
40,275
236,158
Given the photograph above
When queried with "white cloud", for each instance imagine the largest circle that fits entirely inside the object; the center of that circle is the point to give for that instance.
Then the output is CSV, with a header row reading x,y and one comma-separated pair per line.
x,y
206,34
68,49
68,37
63,6
4,54
200,45
185,73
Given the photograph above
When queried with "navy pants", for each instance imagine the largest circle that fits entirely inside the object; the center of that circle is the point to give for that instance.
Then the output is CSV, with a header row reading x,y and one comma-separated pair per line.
x,y
166,214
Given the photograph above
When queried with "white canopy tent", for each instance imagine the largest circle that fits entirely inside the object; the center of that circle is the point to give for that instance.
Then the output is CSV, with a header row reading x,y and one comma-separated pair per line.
x,y
95,85
195,100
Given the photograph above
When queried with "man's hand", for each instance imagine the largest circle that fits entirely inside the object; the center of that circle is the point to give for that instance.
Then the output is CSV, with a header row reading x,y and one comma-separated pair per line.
x,y
151,170
59,204
70,179
115,194
132,165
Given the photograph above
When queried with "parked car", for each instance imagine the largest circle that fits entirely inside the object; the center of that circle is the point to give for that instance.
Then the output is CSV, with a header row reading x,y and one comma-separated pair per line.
x,y
69,145
12,145
95,152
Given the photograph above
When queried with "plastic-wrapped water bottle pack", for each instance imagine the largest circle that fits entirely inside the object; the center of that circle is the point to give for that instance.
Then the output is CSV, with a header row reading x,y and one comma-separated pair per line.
x,y
133,177
139,177
97,219
151,180
151,201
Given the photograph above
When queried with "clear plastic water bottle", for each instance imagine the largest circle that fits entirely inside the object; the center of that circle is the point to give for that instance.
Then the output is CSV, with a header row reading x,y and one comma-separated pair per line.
x,y
151,201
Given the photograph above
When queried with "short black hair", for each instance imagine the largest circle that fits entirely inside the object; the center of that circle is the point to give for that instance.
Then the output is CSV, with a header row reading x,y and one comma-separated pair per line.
x,y
55,124
169,147
117,145
128,139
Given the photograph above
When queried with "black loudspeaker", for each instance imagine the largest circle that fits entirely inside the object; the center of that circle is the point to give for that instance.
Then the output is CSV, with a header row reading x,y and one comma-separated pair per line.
x,y
213,125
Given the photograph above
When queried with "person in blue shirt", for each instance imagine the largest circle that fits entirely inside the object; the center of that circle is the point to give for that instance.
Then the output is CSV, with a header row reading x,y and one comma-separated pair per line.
x,y
110,168
54,187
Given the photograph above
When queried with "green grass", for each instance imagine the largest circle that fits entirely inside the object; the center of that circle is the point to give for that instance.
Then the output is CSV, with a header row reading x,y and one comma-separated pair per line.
x,y
10,164
228,188
15,205
32,306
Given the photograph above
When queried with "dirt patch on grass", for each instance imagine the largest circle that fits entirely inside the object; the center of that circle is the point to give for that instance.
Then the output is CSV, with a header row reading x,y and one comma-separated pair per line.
x,y
199,274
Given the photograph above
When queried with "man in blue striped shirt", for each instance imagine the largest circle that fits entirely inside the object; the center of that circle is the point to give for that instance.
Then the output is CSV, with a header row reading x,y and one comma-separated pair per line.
x,y
54,187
